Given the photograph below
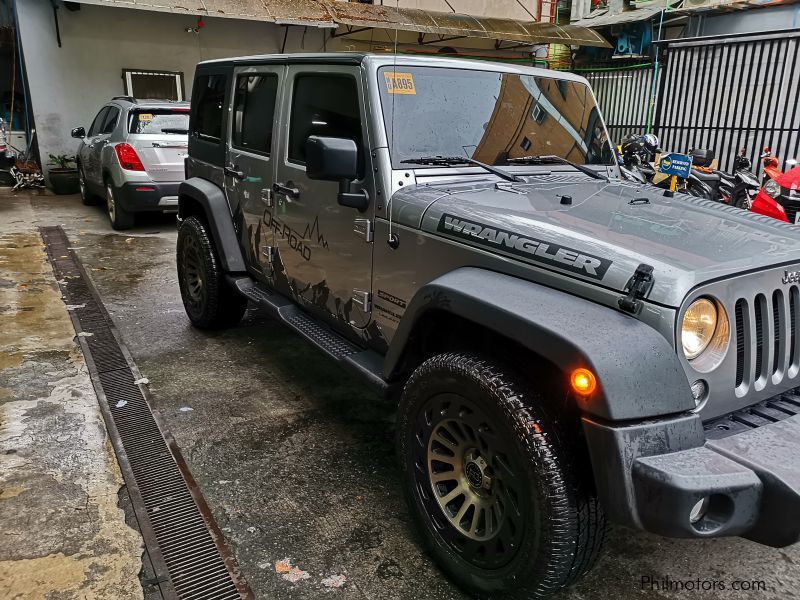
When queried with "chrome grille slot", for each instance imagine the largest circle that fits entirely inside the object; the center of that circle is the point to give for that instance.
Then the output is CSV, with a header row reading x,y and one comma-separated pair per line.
x,y
741,342
794,304
767,348
760,330
778,326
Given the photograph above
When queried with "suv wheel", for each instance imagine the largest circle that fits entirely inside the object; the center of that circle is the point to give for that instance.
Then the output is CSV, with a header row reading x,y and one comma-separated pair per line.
x,y
87,198
209,301
490,480
119,217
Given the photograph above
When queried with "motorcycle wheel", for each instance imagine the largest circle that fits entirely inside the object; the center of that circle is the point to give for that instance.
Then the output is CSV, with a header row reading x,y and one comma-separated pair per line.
x,y
741,200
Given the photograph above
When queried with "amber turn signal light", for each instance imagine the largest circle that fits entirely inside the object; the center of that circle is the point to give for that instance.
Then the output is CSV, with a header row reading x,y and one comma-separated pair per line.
x,y
583,382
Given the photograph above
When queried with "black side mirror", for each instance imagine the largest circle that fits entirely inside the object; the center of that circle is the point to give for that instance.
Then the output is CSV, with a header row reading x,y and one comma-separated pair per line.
x,y
336,159
78,132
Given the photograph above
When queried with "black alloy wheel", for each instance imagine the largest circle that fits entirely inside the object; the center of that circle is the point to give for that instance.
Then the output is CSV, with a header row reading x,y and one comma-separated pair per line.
x,y
207,297
499,489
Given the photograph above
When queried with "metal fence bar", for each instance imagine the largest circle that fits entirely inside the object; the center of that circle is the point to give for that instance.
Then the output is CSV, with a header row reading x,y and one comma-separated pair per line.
x,y
724,93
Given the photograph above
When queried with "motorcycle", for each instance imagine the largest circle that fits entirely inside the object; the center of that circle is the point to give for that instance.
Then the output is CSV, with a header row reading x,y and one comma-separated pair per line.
x,y
637,155
735,189
779,197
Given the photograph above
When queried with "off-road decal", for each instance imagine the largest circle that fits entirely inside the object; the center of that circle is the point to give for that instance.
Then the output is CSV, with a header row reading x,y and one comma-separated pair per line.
x,y
525,247
297,241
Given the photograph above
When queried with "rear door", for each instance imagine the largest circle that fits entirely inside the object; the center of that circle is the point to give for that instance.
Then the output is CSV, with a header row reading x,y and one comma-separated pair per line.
x,y
160,137
250,169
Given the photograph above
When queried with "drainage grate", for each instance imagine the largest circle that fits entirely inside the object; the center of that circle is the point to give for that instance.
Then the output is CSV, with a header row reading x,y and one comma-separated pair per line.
x,y
186,548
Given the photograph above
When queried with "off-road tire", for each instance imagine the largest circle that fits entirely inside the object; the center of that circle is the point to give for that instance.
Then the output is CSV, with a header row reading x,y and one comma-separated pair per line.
x,y
119,218
209,301
563,526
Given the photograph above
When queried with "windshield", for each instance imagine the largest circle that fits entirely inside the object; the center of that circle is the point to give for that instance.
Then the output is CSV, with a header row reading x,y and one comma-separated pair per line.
x,y
159,121
489,116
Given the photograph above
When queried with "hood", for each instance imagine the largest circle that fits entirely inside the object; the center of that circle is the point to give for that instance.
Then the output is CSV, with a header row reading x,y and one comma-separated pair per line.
x,y
603,232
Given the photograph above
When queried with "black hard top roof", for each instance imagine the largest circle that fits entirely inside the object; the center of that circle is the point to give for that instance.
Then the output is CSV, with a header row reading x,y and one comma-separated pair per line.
x,y
335,58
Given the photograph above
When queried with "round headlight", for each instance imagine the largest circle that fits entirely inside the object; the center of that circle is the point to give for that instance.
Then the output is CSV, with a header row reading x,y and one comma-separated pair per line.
x,y
772,188
699,324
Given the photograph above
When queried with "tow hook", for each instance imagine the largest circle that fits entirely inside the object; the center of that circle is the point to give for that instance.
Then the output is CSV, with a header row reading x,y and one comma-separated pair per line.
x,y
638,287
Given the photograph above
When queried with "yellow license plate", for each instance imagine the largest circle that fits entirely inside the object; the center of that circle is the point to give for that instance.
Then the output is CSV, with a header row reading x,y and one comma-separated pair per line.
x,y
400,83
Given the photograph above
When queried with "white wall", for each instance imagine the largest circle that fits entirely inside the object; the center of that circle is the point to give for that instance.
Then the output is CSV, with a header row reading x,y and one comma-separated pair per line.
x,y
69,84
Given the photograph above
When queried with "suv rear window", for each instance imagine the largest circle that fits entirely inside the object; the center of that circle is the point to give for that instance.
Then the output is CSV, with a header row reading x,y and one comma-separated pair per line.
x,y
254,111
208,99
166,121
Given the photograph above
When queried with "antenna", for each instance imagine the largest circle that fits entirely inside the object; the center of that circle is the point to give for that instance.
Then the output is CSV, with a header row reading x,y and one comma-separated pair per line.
x,y
392,240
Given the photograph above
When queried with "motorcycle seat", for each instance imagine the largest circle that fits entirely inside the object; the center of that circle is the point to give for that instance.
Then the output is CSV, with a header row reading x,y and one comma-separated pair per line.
x,y
702,176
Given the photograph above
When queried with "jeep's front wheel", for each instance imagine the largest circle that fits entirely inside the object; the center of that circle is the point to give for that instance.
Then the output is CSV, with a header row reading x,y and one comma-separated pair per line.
x,y
491,480
209,301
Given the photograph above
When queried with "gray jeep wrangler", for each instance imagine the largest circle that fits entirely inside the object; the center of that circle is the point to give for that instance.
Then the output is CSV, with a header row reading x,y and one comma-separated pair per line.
x,y
566,348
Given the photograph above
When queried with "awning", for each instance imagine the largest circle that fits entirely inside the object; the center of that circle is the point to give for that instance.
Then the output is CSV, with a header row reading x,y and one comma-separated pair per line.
x,y
332,14
630,16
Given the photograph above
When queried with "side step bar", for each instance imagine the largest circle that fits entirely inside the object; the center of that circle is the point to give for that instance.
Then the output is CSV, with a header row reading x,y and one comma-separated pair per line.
x,y
368,364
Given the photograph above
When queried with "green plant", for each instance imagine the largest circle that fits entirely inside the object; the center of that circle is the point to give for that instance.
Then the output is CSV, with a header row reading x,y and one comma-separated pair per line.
x,y
62,161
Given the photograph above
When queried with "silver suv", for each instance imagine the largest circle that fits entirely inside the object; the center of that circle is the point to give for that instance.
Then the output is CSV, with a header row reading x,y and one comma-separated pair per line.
x,y
563,347
133,157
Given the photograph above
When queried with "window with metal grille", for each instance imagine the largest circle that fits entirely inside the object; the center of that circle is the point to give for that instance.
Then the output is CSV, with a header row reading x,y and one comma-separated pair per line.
x,y
160,85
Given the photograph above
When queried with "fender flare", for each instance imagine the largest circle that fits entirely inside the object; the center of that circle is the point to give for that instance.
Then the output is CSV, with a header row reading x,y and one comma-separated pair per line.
x,y
218,215
638,371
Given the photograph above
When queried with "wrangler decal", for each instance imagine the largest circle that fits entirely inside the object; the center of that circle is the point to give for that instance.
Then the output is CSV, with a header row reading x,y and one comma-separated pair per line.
x,y
525,247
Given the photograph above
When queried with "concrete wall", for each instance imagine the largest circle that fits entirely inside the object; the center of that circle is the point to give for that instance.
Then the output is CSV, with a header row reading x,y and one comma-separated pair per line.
x,y
69,84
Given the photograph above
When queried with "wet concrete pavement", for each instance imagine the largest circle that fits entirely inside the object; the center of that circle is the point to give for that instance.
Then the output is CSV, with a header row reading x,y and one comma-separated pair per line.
x,y
296,458
62,533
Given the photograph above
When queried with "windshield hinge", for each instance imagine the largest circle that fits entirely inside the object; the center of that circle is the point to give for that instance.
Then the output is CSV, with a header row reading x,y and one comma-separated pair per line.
x,y
363,299
363,227
637,288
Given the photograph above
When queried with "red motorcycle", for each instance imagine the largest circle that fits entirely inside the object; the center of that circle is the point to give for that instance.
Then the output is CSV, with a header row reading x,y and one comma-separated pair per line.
x,y
779,196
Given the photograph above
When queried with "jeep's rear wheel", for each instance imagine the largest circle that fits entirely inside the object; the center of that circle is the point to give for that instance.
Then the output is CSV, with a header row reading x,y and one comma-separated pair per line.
x,y
208,299
490,480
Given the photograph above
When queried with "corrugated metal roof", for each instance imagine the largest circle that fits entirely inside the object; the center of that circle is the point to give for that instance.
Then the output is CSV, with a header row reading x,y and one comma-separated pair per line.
x,y
630,16
326,13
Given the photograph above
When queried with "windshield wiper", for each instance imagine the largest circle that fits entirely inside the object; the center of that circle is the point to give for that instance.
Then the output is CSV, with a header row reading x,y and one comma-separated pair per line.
x,y
445,161
551,158
174,130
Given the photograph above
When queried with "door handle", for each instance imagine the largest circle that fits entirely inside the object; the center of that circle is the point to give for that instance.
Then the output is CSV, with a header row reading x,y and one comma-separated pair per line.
x,y
286,190
232,172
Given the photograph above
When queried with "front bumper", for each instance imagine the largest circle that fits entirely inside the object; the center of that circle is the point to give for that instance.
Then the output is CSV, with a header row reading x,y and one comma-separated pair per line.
x,y
745,468
148,196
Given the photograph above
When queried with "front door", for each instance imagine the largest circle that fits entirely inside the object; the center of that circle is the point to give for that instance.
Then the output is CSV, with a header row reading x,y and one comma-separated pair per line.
x,y
324,248
250,167
89,154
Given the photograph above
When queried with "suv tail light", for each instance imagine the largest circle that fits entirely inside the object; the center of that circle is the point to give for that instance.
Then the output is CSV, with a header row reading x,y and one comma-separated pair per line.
x,y
128,159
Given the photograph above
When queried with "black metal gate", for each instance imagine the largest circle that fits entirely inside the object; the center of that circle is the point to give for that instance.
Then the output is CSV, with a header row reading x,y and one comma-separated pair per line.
x,y
731,92
624,96
722,92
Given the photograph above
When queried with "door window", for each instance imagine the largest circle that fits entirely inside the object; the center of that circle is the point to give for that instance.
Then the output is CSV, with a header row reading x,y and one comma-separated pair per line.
x,y
99,120
325,105
111,120
254,112
209,97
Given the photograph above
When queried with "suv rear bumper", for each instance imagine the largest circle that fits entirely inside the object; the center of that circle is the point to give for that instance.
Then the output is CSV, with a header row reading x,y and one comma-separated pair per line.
x,y
650,475
148,196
